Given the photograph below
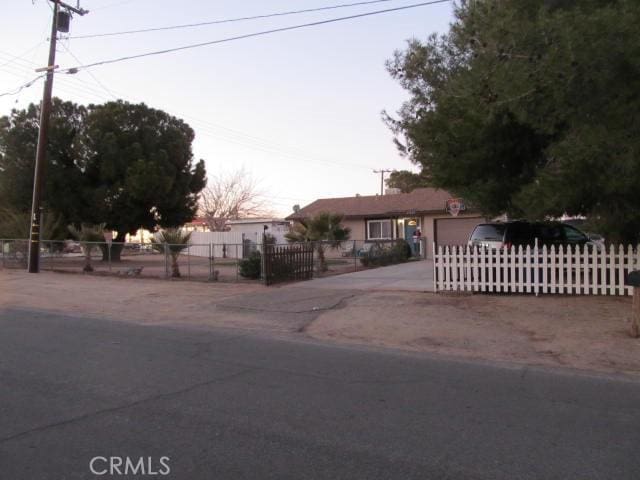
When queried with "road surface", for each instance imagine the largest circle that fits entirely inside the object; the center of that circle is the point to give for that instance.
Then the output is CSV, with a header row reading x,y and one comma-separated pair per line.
x,y
223,404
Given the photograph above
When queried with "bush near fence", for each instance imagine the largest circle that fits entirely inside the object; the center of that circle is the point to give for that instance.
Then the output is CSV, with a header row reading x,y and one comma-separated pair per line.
x,y
251,267
386,253
574,270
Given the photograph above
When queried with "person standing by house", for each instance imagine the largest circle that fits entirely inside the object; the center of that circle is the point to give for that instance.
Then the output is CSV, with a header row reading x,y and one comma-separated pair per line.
x,y
417,235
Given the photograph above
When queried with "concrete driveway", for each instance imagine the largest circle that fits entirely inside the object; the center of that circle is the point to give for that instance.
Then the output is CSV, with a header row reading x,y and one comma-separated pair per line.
x,y
413,276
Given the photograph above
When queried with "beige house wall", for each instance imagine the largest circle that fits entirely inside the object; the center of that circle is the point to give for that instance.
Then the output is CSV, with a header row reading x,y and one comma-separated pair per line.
x,y
427,227
357,228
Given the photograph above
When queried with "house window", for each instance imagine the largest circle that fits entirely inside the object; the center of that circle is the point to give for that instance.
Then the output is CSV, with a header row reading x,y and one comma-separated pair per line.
x,y
379,230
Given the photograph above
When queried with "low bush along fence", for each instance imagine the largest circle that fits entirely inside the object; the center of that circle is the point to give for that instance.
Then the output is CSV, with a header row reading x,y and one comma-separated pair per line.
x,y
378,254
579,270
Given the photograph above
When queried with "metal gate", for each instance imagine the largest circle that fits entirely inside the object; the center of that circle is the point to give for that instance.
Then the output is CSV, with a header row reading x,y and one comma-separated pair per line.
x,y
286,263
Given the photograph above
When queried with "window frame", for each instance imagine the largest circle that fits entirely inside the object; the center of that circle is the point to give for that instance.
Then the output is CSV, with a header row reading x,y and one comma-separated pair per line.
x,y
380,221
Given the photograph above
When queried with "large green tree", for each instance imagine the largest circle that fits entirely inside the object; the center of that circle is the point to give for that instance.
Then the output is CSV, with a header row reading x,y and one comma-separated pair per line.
x,y
407,181
126,165
140,168
530,108
65,160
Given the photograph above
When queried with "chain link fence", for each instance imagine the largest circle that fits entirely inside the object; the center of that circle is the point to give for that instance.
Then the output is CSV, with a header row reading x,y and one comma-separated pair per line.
x,y
203,262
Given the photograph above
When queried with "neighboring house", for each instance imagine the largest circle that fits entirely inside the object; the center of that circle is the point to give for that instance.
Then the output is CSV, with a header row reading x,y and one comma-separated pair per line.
x,y
398,215
198,224
253,228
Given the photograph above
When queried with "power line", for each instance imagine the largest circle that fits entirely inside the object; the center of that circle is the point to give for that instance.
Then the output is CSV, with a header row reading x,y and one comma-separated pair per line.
x,y
100,84
230,20
22,87
21,55
211,129
255,34
68,84
216,131
75,84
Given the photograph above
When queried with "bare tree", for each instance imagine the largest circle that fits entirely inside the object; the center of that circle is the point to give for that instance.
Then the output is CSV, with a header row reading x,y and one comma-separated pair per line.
x,y
232,196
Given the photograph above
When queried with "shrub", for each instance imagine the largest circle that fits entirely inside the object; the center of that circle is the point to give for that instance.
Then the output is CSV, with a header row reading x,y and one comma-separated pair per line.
x,y
251,267
380,255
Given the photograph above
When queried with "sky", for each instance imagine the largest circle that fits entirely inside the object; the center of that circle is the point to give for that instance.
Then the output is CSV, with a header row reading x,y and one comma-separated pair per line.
x,y
299,110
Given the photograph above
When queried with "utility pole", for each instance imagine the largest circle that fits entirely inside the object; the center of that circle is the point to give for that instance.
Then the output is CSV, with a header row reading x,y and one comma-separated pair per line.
x,y
382,172
41,151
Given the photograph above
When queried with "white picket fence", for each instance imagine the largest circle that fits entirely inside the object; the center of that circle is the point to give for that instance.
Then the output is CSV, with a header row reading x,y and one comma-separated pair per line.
x,y
572,270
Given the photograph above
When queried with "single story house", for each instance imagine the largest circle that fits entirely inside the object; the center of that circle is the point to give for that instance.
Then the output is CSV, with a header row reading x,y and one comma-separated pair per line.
x,y
440,216
198,224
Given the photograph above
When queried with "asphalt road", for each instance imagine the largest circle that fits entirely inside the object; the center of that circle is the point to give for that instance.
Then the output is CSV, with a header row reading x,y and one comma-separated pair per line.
x,y
229,405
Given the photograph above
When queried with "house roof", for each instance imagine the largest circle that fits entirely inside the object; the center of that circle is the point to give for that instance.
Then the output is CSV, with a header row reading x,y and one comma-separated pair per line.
x,y
197,221
419,201
256,221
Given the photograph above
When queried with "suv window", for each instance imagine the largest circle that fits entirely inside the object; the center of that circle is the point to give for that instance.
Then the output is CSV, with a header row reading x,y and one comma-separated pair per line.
x,y
520,234
551,234
488,232
573,235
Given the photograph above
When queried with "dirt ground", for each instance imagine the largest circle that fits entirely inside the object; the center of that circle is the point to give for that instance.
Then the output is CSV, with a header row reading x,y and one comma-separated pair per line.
x,y
571,331
587,333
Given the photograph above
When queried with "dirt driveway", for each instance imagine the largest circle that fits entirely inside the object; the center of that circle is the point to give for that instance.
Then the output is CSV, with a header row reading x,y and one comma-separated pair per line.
x,y
411,276
580,332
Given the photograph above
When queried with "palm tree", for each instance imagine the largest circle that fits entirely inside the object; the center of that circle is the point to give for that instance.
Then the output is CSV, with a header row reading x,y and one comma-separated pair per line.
x,y
324,229
89,237
176,241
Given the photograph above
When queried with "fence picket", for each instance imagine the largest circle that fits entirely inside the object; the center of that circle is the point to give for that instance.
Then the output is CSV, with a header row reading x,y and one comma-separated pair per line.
x,y
602,270
440,268
520,270
536,273
570,269
512,263
504,269
560,267
612,270
620,271
629,265
594,274
545,279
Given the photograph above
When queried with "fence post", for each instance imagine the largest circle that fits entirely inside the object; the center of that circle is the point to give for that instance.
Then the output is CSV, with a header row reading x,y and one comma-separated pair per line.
x,y
263,263
210,263
237,264
355,256
2,246
166,260
189,262
109,254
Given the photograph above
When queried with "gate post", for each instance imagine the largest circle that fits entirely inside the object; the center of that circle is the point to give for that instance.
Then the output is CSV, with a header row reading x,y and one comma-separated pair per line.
x,y
633,280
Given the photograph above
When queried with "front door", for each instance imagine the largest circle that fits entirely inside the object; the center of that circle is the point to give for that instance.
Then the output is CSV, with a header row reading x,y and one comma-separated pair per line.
x,y
410,227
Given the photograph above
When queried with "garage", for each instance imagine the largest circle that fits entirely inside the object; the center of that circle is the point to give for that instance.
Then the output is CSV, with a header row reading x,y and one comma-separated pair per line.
x,y
454,230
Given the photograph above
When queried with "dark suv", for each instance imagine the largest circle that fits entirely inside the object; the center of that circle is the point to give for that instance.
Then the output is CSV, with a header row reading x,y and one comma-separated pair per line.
x,y
508,234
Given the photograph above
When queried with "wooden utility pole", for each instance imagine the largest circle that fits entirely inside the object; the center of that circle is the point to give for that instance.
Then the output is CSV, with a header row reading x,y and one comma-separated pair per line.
x,y
41,151
382,172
